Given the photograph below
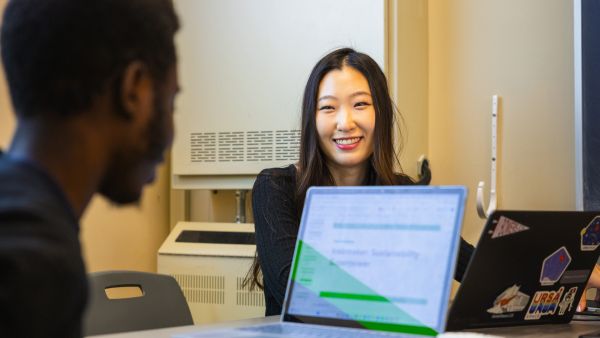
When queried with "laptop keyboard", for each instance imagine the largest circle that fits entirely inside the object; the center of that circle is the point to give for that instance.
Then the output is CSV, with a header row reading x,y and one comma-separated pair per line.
x,y
317,332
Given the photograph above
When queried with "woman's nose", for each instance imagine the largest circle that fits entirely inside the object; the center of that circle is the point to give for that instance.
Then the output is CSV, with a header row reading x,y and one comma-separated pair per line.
x,y
345,120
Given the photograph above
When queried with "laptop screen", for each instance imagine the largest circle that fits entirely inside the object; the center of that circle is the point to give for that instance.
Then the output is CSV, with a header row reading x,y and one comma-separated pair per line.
x,y
379,258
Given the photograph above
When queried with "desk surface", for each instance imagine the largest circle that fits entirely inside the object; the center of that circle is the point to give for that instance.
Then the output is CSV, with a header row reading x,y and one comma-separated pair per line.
x,y
573,329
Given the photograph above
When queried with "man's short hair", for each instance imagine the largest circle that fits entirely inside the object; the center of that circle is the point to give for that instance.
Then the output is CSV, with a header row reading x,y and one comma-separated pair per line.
x,y
60,54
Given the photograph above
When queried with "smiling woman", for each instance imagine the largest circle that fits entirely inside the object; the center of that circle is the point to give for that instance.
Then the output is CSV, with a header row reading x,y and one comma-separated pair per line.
x,y
348,122
345,121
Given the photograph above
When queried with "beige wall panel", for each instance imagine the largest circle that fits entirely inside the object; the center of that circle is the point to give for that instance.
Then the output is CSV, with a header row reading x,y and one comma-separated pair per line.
x,y
127,238
409,81
7,120
520,50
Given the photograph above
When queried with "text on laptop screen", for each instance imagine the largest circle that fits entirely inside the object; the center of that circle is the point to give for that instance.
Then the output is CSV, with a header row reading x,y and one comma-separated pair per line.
x,y
382,257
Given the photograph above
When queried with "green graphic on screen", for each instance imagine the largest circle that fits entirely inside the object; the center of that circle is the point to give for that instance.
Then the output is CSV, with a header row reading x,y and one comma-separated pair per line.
x,y
389,317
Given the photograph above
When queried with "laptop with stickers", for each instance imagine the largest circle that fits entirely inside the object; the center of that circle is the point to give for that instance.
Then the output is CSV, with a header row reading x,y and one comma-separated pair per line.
x,y
529,267
369,261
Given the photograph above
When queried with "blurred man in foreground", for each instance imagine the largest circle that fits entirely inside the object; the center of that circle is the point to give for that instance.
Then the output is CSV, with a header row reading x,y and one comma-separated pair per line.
x,y
92,84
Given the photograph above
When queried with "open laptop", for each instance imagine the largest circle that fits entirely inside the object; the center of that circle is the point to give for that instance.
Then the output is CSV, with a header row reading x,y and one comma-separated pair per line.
x,y
530,267
369,261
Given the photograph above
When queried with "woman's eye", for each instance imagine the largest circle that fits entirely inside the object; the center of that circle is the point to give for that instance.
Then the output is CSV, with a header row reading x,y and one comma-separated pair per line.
x,y
326,108
362,104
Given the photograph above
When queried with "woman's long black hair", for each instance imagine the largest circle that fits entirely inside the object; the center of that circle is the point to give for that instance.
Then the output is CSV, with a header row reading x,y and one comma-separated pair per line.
x,y
312,166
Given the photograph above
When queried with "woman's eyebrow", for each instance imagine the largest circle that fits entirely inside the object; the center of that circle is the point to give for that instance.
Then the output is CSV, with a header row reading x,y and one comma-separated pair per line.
x,y
360,93
327,97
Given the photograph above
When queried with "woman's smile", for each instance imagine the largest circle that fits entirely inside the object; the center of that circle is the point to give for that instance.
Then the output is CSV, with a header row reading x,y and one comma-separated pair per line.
x,y
347,143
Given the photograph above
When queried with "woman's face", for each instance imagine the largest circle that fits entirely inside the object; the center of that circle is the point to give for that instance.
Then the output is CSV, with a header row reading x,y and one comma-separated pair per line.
x,y
345,118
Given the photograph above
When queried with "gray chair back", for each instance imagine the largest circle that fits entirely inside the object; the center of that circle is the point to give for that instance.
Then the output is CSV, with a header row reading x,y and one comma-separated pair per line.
x,y
162,303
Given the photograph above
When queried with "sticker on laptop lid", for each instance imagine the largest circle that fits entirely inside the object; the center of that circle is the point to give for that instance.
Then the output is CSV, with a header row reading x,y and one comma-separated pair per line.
x,y
511,300
507,226
554,266
567,303
543,303
575,276
590,235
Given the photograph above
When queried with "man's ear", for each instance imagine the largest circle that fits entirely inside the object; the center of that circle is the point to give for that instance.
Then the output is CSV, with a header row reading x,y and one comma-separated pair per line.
x,y
135,92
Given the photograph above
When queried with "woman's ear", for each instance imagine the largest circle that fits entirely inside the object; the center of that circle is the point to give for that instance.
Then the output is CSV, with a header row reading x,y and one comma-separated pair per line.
x,y
135,91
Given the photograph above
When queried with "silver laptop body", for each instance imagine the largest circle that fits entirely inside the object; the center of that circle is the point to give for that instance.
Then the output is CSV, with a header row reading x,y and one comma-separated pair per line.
x,y
369,261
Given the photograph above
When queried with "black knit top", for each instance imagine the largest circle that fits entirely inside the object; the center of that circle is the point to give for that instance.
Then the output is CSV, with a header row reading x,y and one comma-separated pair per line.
x,y
277,220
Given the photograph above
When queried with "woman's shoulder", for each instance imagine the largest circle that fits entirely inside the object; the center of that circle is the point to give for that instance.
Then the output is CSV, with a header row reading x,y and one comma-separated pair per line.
x,y
280,177
279,172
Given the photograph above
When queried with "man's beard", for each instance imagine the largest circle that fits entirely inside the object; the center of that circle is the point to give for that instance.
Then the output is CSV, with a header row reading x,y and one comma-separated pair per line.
x,y
122,183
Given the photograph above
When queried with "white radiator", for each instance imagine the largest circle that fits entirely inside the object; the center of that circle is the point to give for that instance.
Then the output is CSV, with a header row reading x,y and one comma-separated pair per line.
x,y
210,262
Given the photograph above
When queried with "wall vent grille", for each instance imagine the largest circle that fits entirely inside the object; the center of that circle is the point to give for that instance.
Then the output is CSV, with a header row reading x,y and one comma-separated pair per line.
x,y
203,147
202,289
249,146
245,297
231,146
287,145
259,145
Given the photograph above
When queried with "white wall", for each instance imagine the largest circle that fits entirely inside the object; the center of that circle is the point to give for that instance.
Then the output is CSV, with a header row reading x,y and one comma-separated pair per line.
x,y
408,79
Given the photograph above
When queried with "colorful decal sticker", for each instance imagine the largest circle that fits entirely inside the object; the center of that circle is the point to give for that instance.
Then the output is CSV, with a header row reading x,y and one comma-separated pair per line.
x,y
554,266
507,226
575,276
590,235
544,303
511,300
567,302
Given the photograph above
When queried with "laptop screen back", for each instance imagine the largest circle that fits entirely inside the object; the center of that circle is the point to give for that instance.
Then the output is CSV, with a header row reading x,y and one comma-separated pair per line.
x,y
379,258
